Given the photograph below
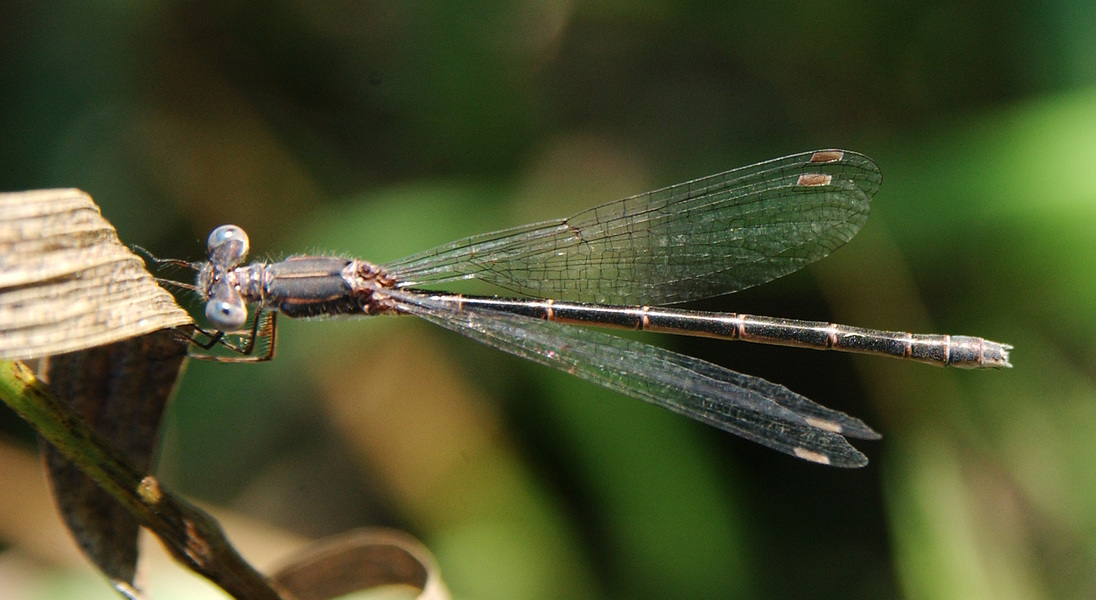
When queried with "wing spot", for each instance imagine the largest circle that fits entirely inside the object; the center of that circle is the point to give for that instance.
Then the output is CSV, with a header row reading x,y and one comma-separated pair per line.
x,y
827,156
814,180
812,456
824,425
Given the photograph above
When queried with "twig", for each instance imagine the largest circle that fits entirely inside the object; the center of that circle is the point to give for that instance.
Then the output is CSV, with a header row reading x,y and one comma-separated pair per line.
x,y
190,535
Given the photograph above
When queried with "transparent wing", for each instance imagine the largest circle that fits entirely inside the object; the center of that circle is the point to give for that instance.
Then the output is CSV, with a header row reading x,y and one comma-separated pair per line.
x,y
698,239
750,407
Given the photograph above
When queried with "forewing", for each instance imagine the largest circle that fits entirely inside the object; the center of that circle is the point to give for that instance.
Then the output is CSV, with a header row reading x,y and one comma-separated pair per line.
x,y
706,237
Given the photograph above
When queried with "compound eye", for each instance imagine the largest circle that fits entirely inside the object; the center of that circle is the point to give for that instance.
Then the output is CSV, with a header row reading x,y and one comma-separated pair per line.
x,y
229,243
226,315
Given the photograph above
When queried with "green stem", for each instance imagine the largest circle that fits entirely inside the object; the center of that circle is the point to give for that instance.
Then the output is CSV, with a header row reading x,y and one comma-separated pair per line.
x,y
191,535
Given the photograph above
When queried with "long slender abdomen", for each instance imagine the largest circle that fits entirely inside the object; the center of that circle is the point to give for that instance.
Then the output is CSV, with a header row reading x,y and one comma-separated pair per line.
x,y
935,349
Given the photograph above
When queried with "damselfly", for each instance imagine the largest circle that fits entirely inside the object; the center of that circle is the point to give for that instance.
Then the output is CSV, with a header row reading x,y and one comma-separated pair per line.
x,y
609,266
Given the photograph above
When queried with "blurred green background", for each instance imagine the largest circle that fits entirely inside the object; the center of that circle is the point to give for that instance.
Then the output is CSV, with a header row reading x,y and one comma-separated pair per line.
x,y
379,129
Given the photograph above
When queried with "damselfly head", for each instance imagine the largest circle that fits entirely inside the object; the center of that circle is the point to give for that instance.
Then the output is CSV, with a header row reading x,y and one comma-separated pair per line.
x,y
225,308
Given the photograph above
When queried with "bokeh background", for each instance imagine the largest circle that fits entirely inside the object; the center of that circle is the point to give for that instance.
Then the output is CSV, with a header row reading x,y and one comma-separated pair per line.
x,y
379,129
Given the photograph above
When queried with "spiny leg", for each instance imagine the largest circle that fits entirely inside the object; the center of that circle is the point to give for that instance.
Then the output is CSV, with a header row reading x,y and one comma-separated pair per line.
x,y
261,327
